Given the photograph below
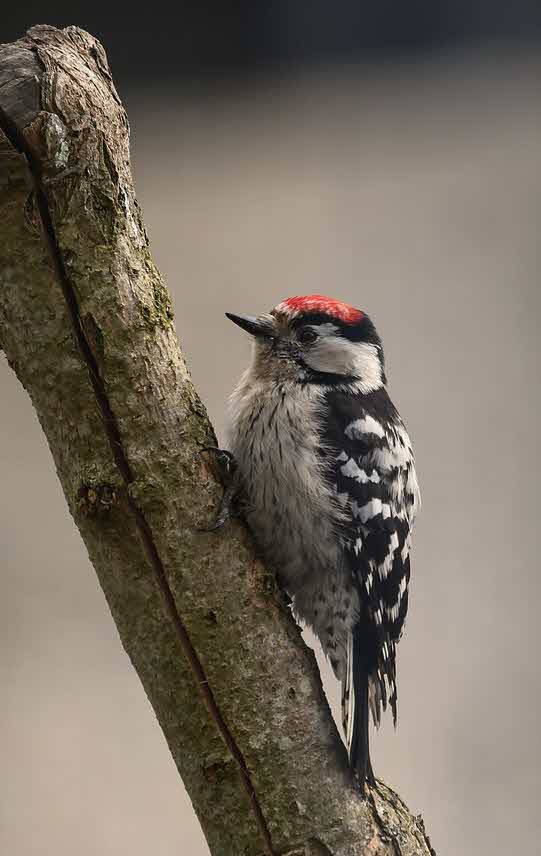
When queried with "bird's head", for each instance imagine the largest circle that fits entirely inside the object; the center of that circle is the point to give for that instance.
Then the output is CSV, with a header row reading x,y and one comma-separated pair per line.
x,y
315,339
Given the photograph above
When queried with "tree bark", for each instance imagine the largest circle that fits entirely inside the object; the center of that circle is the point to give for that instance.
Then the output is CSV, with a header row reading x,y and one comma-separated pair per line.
x,y
86,323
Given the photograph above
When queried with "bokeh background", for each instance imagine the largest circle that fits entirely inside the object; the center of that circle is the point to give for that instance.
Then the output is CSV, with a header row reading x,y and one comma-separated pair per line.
x,y
388,154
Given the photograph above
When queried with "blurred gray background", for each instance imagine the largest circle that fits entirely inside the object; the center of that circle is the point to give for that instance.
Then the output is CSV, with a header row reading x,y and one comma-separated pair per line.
x,y
406,182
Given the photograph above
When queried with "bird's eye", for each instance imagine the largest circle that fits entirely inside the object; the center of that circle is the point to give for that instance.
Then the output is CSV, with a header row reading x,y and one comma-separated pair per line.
x,y
306,336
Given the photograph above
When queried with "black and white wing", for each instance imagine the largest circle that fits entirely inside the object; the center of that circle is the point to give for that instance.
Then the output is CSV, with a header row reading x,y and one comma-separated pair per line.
x,y
373,474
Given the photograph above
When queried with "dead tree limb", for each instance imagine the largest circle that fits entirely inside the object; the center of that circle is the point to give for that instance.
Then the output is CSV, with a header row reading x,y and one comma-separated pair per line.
x,y
87,325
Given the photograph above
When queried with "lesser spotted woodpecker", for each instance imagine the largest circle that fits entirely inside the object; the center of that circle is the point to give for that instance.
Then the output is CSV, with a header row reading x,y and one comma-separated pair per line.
x,y
325,467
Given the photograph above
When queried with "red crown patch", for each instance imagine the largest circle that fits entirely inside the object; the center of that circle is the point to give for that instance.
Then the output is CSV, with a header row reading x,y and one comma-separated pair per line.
x,y
319,303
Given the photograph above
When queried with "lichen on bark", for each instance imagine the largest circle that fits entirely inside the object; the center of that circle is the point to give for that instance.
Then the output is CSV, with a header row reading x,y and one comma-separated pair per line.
x,y
86,323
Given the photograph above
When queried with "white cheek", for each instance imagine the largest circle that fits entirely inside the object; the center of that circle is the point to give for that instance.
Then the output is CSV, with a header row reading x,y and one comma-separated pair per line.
x,y
336,355
368,366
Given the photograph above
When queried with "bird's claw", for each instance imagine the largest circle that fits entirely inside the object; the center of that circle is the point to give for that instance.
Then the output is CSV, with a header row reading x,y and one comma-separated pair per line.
x,y
225,463
227,468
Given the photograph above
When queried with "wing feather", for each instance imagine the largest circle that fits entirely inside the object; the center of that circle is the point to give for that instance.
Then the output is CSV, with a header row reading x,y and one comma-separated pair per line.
x,y
373,472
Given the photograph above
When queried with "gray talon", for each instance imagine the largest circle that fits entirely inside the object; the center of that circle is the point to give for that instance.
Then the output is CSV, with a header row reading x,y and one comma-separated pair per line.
x,y
224,461
226,467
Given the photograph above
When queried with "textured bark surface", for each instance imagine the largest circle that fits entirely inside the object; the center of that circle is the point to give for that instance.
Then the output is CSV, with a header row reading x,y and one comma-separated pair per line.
x,y
87,325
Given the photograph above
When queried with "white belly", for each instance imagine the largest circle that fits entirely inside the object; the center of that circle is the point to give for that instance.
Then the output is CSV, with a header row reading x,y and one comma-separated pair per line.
x,y
289,505
291,508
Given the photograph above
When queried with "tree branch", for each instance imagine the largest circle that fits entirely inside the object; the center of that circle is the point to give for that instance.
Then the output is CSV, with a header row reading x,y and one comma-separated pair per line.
x,y
86,324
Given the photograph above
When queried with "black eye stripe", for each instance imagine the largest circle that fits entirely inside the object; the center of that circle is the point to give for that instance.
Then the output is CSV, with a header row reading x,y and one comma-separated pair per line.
x,y
306,335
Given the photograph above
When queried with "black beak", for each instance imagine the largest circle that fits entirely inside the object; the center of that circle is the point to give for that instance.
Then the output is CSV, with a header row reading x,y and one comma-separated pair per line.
x,y
255,326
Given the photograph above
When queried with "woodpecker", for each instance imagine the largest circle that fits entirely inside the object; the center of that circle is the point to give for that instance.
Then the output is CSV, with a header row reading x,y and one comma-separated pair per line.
x,y
324,467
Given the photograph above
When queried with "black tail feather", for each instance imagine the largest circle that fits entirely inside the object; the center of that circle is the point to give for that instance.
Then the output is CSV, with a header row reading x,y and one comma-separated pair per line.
x,y
359,750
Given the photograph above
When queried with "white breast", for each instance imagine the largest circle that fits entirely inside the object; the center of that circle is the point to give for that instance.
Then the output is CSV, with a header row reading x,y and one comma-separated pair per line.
x,y
274,436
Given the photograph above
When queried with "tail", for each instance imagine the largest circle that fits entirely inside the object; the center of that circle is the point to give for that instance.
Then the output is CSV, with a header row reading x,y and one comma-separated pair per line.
x,y
355,706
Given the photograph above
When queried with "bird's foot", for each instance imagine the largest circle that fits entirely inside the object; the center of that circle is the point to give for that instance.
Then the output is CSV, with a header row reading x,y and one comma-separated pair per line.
x,y
224,463
226,468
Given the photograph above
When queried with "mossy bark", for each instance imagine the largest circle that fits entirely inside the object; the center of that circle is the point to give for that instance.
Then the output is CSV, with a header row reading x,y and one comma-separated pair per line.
x,y
86,323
